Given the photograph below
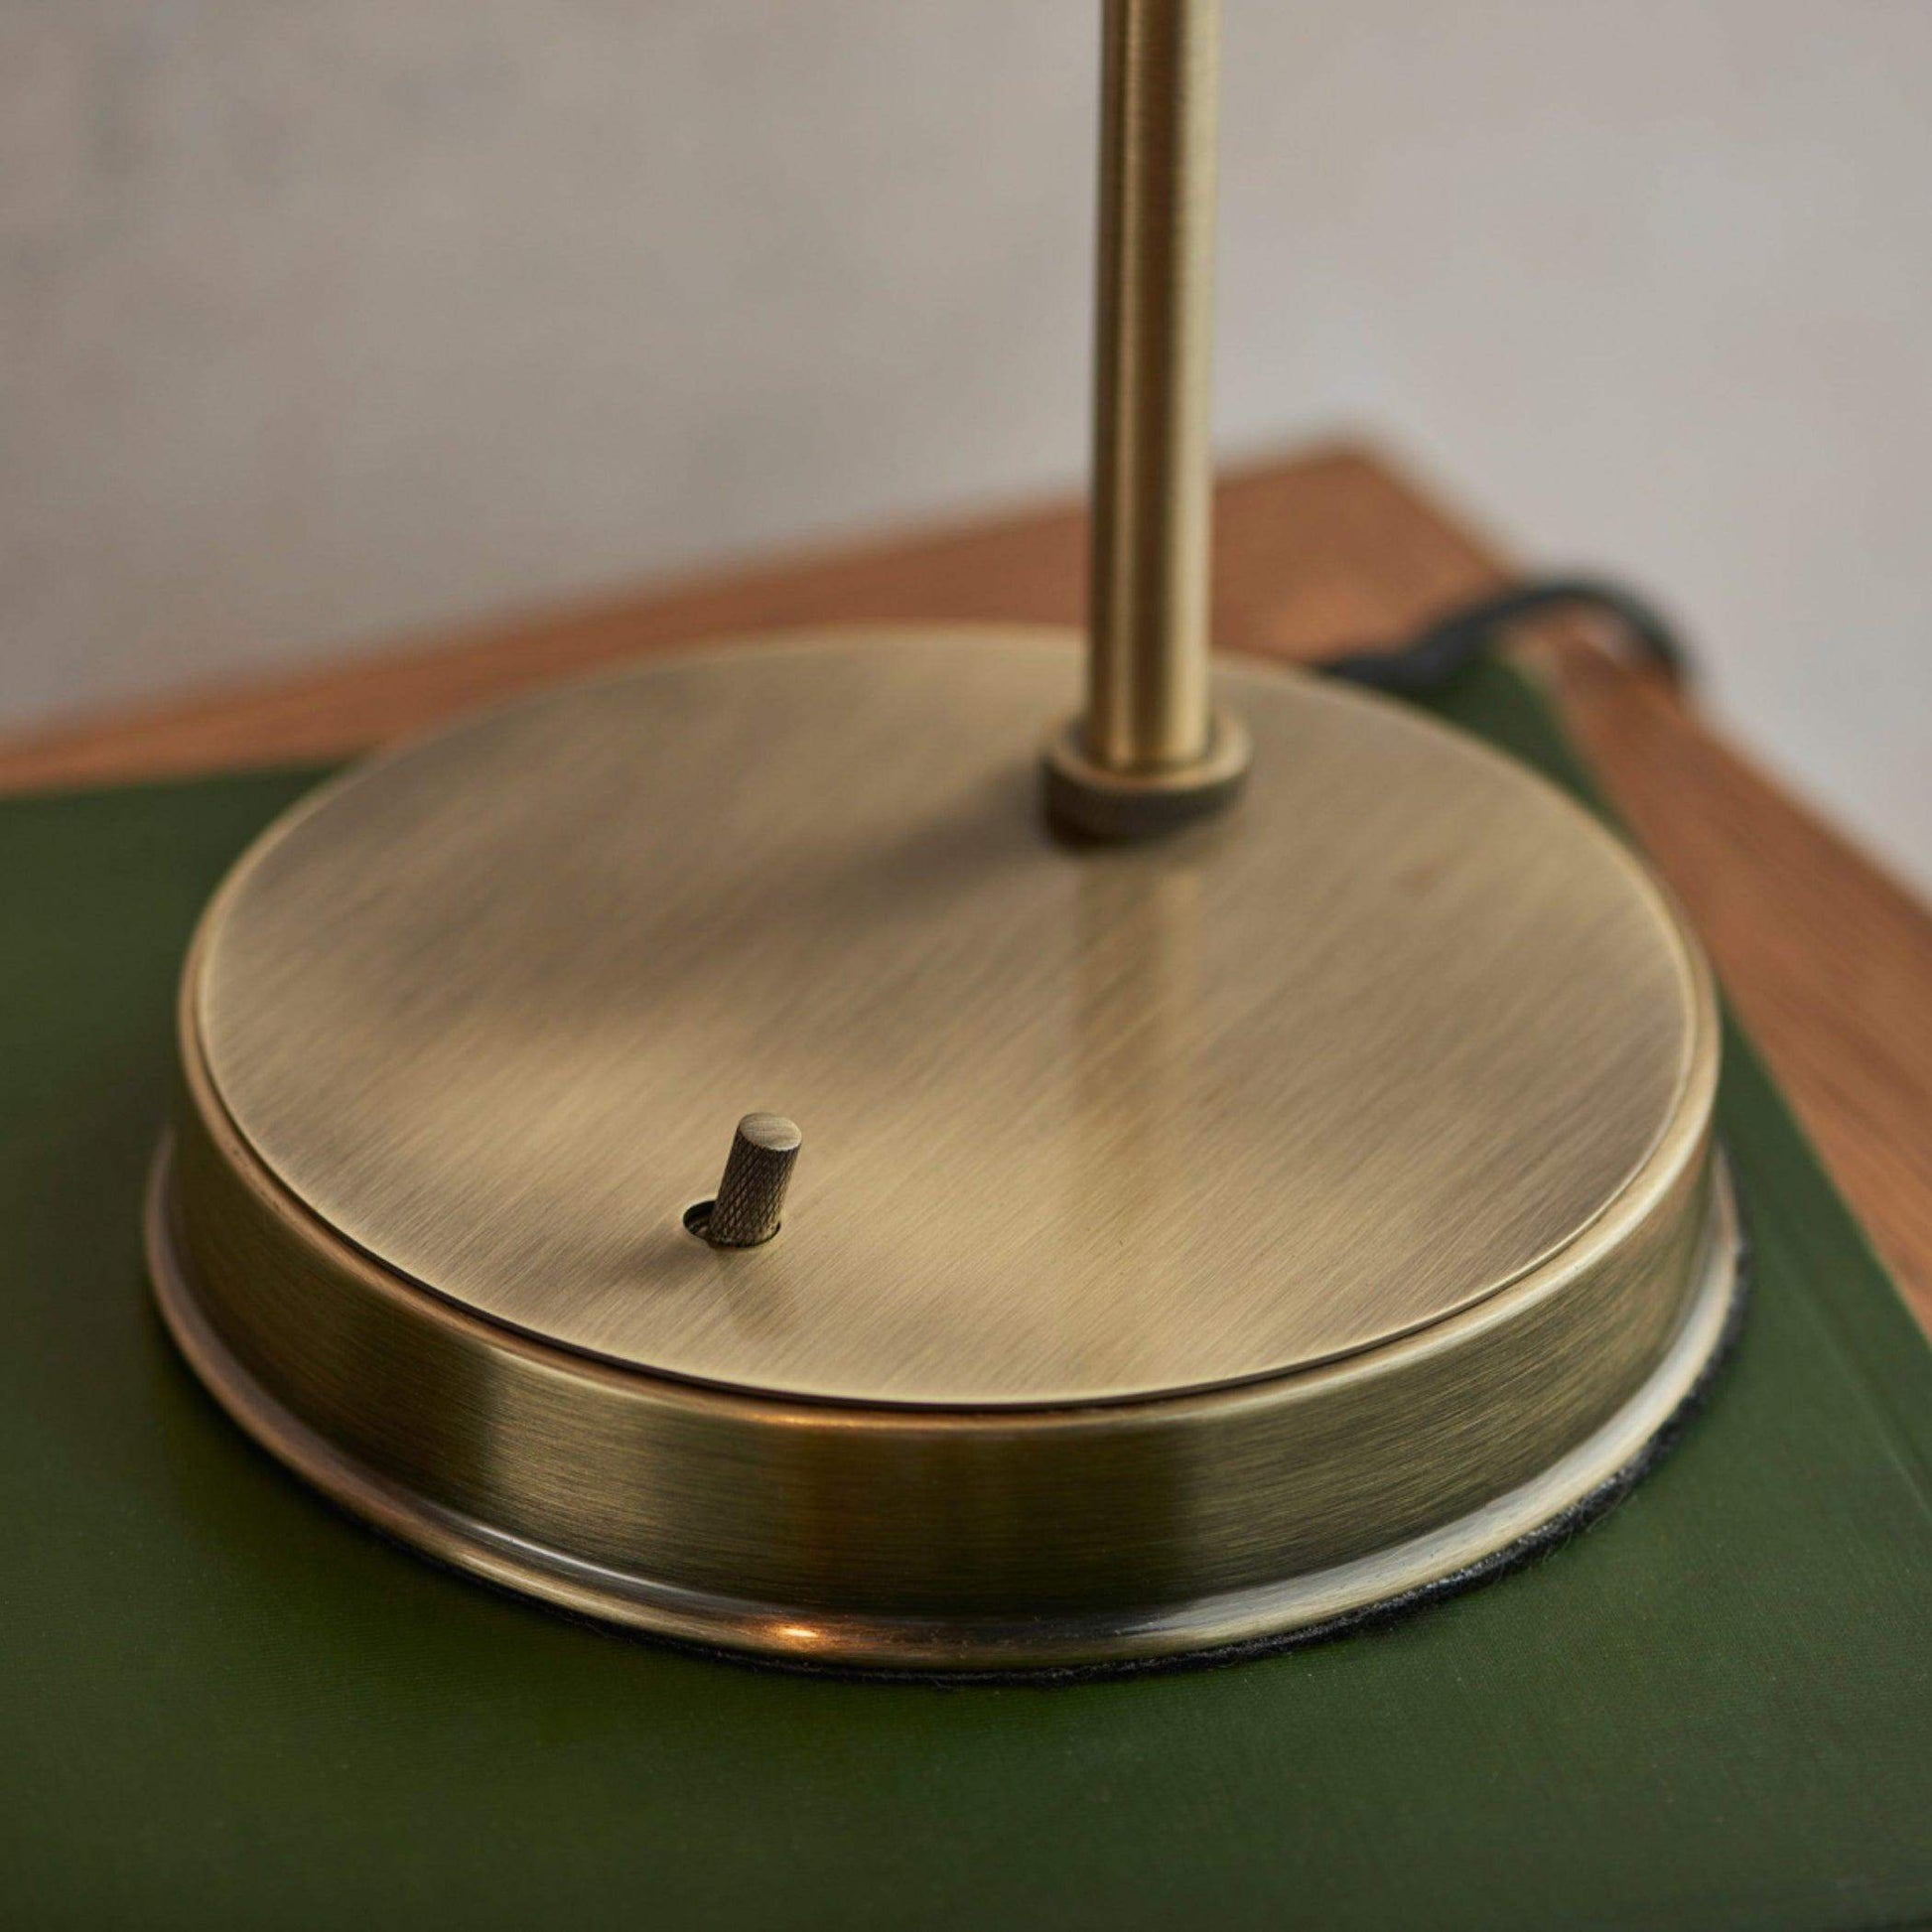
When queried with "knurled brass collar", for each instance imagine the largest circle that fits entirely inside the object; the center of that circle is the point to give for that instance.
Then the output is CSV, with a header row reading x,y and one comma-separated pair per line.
x,y
1094,801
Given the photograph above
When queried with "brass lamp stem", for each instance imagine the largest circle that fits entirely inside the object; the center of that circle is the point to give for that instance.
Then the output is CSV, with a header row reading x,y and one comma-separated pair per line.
x,y
1147,685
1150,749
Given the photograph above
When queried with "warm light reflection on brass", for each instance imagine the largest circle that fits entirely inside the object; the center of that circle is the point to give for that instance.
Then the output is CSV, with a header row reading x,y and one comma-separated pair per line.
x,y
1195,1237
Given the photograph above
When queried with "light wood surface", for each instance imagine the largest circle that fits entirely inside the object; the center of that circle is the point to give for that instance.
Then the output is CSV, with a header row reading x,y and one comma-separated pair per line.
x,y
1828,960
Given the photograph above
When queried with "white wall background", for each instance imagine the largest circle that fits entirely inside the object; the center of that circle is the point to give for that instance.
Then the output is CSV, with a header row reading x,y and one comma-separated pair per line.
x,y
325,319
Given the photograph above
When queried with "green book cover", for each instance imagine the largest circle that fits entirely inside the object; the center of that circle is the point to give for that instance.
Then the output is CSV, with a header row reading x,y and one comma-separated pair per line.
x,y
224,1704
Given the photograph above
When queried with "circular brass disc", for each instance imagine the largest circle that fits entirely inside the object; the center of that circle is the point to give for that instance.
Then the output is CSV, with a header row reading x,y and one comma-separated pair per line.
x,y
1192,1241
1078,1125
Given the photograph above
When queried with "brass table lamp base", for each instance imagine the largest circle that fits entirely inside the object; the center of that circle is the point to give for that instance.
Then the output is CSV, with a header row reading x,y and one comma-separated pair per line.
x,y
1192,1241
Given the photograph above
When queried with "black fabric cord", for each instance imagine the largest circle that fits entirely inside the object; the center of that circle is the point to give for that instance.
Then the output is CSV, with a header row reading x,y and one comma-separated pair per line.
x,y
1437,654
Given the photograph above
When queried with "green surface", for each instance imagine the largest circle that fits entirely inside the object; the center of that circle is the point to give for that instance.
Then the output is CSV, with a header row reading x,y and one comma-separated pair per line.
x,y
225,1705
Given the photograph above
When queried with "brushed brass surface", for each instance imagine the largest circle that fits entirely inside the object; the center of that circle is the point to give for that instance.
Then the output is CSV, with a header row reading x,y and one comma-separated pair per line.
x,y
1198,1239
1085,1123
1075,1538
1147,720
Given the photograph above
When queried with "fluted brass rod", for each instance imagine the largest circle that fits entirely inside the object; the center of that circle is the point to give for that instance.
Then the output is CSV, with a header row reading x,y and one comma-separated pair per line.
x,y
1148,692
